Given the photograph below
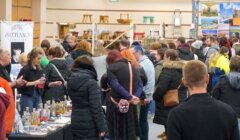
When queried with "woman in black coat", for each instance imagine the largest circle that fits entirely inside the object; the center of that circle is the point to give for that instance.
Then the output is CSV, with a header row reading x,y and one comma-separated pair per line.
x,y
227,89
54,87
169,79
87,119
122,126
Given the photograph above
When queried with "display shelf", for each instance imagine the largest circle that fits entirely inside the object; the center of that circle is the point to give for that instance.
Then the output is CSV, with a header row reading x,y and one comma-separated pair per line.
x,y
141,24
112,24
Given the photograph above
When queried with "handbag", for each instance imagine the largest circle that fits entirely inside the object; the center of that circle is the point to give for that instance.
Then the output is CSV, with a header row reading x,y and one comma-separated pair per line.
x,y
123,104
60,75
171,97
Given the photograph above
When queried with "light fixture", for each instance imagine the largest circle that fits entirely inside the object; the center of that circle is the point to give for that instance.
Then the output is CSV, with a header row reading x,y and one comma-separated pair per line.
x,y
114,0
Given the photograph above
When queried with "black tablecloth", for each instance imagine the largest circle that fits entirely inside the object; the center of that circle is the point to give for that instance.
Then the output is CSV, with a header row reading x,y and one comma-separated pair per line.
x,y
63,133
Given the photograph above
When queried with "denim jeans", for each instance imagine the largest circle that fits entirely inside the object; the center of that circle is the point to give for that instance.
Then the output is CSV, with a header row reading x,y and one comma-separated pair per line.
x,y
239,125
152,107
30,101
143,118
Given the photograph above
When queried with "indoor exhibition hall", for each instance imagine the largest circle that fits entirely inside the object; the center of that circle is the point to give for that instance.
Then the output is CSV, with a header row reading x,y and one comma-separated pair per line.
x,y
119,70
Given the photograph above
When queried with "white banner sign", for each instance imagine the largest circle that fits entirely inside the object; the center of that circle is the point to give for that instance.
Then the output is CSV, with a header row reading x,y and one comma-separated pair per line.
x,y
17,32
18,38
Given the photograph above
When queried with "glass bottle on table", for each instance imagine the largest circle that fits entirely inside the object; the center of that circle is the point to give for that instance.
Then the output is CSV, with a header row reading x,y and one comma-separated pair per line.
x,y
27,120
53,109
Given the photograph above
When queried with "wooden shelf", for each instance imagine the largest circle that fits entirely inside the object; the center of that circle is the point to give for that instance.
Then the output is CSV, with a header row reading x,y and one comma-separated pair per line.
x,y
138,24
111,24
148,24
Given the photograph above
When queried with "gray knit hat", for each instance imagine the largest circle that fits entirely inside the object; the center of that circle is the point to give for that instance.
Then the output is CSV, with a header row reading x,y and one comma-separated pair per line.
x,y
197,44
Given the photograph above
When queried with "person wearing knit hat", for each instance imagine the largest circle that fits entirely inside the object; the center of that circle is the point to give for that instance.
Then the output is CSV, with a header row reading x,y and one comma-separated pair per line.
x,y
197,44
197,51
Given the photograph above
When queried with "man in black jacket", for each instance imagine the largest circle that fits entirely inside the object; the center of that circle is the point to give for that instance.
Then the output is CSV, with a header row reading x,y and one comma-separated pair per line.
x,y
184,49
201,117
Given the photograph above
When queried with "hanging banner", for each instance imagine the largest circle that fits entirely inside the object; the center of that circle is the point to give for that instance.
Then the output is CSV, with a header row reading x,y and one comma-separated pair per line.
x,y
17,37
236,14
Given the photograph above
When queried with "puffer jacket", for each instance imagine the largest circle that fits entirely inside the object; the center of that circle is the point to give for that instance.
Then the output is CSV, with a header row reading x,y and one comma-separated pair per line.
x,y
169,79
87,119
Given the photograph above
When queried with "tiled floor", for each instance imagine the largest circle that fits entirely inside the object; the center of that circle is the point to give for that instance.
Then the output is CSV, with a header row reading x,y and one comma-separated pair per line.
x,y
154,130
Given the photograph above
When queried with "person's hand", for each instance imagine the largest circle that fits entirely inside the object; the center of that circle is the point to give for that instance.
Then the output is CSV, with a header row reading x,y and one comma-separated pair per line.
x,y
20,82
146,101
39,82
135,100
101,134
57,83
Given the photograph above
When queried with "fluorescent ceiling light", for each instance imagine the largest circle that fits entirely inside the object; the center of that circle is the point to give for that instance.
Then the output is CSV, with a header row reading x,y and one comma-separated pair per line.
x,y
113,0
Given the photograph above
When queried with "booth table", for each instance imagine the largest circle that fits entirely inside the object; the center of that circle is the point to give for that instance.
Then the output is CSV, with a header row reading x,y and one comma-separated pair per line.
x,y
63,133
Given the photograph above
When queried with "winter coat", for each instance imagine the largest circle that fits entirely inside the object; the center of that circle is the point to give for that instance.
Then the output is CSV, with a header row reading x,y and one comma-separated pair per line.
x,y
202,117
4,102
51,75
87,119
185,54
158,70
122,126
10,112
169,79
200,55
228,90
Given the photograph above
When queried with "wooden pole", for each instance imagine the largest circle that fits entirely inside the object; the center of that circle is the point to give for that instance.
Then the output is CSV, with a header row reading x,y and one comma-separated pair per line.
x,y
119,37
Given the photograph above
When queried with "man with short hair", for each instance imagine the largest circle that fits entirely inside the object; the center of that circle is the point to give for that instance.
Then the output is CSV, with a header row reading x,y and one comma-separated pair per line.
x,y
184,49
180,41
7,84
5,59
72,43
212,48
201,117
148,67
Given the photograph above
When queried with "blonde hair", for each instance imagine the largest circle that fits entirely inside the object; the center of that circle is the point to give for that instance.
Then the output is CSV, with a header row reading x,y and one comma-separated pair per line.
x,y
23,59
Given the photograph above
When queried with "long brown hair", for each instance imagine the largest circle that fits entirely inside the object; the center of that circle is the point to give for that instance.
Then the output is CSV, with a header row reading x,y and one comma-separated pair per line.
x,y
34,53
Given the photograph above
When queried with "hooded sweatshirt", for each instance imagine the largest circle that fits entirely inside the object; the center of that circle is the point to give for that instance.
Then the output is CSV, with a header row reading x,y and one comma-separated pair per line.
x,y
185,53
234,80
4,102
228,90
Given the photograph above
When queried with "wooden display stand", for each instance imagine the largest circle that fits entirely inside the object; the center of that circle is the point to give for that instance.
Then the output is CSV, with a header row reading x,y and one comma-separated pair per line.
x,y
104,19
124,19
87,19
87,34
63,29
118,33
105,36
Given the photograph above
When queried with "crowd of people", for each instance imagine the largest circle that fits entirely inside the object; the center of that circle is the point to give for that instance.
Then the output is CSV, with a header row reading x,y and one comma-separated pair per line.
x,y
191,87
